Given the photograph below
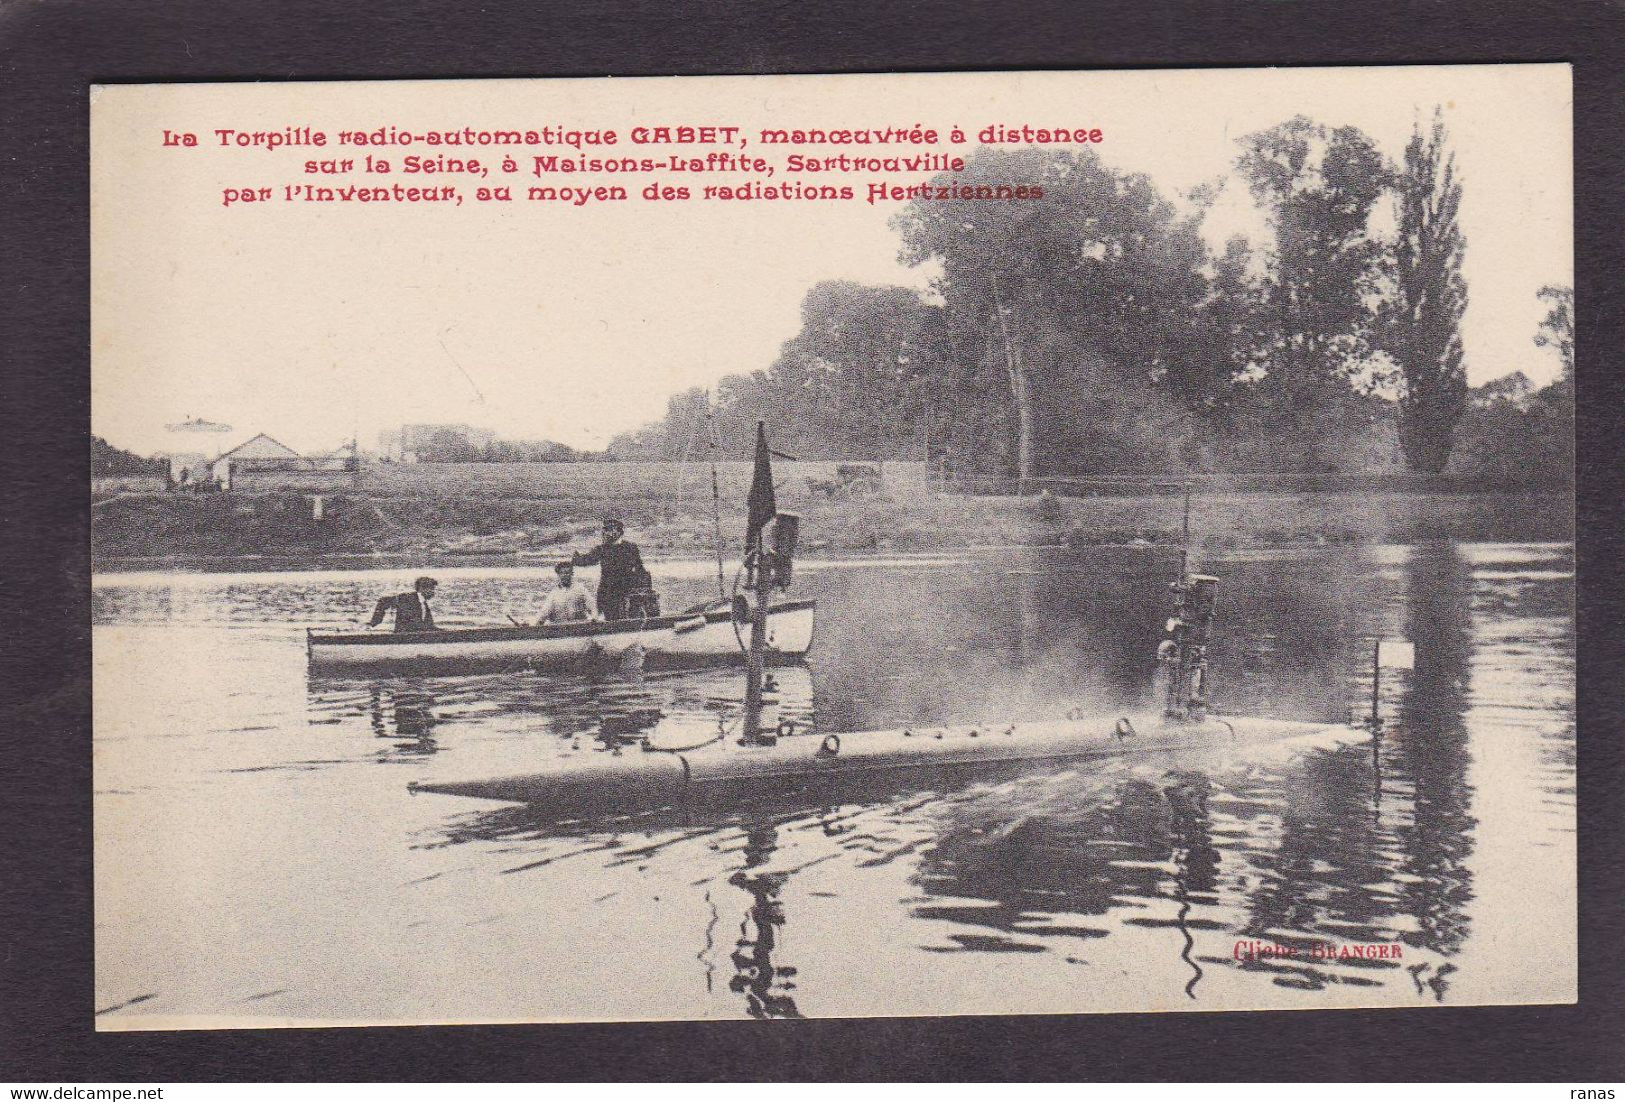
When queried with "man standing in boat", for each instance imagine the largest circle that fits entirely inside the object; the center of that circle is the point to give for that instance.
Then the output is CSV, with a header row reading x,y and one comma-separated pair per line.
x,y
412,610
621,574
569,601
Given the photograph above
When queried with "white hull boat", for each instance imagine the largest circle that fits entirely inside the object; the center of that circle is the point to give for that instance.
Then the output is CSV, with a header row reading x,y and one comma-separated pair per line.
x,y
701,637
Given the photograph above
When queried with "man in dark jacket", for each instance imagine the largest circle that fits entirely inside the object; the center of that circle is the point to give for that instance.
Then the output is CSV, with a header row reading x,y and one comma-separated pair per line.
x,y
412,610
622,570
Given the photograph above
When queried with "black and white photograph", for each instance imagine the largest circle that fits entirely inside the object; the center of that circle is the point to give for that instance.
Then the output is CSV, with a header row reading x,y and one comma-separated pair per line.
x,y
832,546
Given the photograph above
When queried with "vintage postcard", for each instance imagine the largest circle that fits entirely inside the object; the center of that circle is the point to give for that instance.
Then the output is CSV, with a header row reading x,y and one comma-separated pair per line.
x,y
812,546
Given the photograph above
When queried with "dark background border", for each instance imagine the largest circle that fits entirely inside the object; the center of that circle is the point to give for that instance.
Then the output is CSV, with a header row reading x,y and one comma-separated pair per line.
x,y
51,50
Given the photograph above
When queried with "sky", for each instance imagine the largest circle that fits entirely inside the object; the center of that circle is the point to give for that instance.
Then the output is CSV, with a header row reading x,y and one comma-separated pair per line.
x,y
316,322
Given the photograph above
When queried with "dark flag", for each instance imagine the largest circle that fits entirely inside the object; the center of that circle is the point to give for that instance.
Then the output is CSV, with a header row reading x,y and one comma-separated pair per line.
x,y
762,506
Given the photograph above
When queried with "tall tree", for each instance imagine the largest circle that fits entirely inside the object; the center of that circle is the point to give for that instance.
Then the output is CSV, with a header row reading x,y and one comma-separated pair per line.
x,y
847,386
1421,315
1235,326
991,255
1317,188
105,459
851,374
1073,312
1557,327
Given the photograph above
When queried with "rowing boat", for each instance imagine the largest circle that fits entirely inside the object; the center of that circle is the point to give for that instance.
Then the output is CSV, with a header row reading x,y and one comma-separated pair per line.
x,y
701,636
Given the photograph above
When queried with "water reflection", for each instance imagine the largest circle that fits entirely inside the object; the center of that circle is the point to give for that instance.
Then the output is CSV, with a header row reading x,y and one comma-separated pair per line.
x,y
609,710
1314,855
765,983
1431,745
1195,858
1130,881
1323,871
1003,878
403,713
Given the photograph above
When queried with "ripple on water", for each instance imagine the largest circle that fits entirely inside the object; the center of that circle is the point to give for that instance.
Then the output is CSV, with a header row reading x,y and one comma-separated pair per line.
x,y
1141,877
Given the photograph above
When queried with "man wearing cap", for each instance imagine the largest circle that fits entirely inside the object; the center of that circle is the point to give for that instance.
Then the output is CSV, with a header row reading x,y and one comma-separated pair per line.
x,y
622,569
569,601
412,610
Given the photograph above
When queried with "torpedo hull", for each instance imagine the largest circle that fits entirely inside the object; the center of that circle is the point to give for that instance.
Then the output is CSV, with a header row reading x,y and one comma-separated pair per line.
x,y
702,638
586,783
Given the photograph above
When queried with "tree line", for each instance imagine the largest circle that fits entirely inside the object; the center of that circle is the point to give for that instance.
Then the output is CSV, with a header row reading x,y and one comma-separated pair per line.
x,y
108,461
1097,331
447,446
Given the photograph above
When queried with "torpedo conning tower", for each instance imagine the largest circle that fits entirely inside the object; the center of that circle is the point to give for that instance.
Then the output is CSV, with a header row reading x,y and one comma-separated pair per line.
x,y
1183,653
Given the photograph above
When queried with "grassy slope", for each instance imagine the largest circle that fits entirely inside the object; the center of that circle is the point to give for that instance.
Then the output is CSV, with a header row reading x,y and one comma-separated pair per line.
x,y
495,510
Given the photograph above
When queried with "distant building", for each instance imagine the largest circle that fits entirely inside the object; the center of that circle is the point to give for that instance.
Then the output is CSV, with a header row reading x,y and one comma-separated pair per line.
x,y
262,463
257,447
409,443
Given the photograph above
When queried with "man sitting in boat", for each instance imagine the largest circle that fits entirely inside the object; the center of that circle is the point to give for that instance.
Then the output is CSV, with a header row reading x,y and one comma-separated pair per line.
x,y
412,610
568,602
622,572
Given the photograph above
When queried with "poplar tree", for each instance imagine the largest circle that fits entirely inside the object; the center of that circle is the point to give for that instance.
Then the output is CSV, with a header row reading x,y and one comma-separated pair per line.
x,y
1428,297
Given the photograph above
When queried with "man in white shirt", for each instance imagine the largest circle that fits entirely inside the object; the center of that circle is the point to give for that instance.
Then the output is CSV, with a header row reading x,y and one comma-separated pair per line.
x,y
568,602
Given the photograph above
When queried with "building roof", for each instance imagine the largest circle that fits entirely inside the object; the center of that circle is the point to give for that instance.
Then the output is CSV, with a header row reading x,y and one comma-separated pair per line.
x,y
260,447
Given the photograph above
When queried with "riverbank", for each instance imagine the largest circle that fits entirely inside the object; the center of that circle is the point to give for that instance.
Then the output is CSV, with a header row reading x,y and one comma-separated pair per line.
x,y
431,528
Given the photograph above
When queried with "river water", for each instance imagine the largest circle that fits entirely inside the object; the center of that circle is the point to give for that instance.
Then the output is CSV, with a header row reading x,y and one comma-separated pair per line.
x,y
260,859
